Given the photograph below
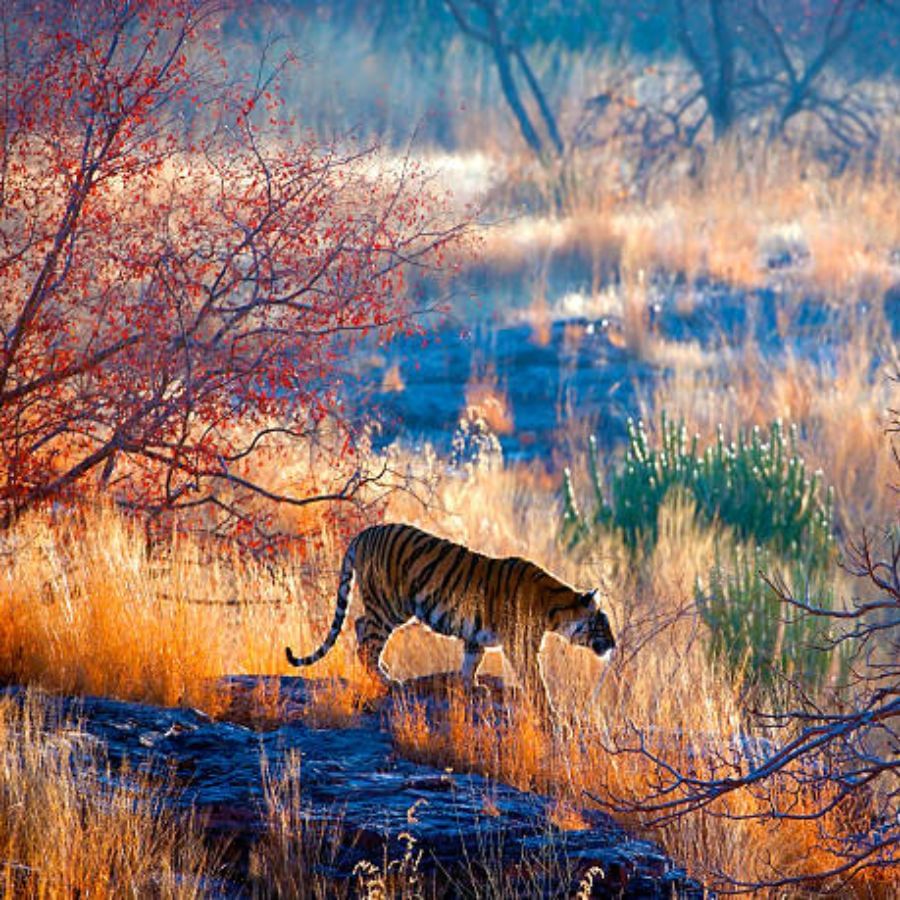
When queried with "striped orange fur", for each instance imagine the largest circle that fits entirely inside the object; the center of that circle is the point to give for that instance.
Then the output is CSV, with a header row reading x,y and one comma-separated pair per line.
x,y
400,573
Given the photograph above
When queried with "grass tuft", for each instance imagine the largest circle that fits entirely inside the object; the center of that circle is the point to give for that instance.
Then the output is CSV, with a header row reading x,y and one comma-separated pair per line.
x,y
758,485
68,830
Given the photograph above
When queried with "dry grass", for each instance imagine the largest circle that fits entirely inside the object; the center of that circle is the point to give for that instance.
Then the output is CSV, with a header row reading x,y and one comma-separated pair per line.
x,y
288,861
392,380
661,681
486,399
841,411
338,702
750,204
293,858
66,830
87,607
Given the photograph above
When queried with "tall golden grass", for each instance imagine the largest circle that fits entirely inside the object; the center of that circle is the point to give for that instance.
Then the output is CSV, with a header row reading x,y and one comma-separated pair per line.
x,y
67,830
88,606
487,400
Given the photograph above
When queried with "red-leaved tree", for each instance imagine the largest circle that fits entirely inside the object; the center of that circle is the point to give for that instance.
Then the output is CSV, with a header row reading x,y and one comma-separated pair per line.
x,y
179,276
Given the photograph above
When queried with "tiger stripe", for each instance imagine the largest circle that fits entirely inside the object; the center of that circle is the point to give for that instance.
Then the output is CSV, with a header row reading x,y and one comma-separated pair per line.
x,y
400,572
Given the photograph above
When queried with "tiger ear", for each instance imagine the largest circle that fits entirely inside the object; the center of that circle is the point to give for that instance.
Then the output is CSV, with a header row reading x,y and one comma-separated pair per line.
x,y
590,599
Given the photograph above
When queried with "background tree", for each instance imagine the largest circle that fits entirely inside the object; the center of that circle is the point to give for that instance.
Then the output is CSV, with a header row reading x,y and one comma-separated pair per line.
x,y
179,276
772,58
488,22
712,57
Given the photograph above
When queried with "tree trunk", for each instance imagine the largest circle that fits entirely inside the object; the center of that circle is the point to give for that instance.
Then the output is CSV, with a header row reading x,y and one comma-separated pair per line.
x,y
721,104
511,92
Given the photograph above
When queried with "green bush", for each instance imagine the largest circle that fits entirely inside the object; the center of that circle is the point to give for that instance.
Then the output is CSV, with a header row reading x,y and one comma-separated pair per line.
x,y
756,634
759,487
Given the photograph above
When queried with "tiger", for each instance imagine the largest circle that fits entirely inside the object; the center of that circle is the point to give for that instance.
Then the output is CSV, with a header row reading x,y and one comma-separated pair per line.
x,y
402,573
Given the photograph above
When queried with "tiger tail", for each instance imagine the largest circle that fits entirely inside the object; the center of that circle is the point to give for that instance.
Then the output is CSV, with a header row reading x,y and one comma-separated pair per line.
x,y
340,612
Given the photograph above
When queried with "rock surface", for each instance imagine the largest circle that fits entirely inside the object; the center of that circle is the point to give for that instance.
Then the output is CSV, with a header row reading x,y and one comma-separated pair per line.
x,y
354,775
583,366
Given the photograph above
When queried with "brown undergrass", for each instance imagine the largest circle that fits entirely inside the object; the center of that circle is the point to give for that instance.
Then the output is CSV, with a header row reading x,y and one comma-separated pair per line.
x,y
87,607
583,766
750,204
661,683
67,831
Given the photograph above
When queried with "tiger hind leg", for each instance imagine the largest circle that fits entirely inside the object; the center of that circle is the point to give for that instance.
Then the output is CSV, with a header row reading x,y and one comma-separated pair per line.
x,y
370,640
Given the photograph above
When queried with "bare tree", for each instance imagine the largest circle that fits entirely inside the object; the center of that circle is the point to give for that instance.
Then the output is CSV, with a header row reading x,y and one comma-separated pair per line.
x,y
484,20
838,763
797,75
766,58
713,58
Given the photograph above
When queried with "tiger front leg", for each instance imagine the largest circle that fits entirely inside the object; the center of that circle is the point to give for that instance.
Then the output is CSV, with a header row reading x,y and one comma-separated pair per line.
x,y
472,657
523,656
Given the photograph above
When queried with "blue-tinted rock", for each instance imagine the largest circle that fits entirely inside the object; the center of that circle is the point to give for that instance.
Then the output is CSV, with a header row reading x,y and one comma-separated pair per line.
x,y
459,821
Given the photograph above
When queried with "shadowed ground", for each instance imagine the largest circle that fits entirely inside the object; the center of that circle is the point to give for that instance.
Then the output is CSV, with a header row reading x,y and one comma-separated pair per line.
x,y
353,776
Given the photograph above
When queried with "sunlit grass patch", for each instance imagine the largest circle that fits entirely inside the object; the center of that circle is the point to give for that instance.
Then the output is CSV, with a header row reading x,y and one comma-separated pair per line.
x,y
338,702
749,213
87,605
67,829
474,735
682,711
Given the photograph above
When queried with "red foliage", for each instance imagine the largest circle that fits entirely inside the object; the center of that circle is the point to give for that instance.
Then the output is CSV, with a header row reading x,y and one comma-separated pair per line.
x,y
179,277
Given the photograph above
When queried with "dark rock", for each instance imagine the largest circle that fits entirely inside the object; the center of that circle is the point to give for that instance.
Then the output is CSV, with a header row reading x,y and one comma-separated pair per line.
x,y
354,775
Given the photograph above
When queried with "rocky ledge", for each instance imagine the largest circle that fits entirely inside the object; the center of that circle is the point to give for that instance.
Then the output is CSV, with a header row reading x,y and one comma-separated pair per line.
x,y
354,776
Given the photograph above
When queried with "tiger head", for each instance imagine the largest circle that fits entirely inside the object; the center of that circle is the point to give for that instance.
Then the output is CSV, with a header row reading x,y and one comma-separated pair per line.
x,y
591,629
